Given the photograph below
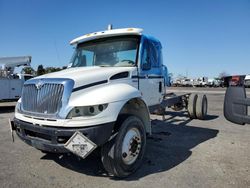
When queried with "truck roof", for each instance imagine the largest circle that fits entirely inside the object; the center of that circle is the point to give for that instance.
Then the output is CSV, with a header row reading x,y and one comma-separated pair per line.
x,y
106,33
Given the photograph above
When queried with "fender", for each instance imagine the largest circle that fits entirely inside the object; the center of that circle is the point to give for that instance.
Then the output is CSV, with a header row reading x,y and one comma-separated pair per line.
x,y
117,95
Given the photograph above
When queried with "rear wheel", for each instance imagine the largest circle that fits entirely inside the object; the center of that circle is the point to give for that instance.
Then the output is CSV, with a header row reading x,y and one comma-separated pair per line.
x,y
201,107
192,105
123,155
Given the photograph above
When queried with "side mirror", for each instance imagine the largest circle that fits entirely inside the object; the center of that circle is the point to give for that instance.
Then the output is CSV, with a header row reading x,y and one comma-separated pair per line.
x,y
236,105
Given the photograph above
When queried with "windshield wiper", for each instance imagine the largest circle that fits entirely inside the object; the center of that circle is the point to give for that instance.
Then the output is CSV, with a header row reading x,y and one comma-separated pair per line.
x,y
103,65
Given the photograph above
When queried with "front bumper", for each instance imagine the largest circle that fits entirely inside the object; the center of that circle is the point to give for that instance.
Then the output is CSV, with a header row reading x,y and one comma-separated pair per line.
x,y
52,139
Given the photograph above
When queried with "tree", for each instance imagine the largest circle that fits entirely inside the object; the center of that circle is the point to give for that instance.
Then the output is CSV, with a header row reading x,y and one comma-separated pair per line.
x,y
52,69
28,70
40,70
223,74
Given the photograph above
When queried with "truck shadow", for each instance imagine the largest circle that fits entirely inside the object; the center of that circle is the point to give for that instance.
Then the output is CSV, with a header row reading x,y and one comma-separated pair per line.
x,y
169,145
6,109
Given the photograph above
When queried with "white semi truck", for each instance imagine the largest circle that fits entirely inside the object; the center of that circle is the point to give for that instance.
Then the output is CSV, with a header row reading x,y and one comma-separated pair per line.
x,y
10,83
247,81
104,99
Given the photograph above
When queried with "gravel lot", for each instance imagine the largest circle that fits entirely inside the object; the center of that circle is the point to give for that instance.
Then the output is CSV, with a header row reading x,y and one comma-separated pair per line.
x,y
180,153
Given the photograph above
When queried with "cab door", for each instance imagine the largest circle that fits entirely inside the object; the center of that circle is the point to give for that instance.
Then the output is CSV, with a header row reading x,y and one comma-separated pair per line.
x,y
151,81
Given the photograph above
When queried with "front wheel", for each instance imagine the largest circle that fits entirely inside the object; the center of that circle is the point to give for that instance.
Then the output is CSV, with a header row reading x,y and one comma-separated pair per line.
x,y
122,155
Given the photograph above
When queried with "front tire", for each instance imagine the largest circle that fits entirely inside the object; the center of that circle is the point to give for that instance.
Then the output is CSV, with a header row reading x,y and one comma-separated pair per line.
x,y
123,155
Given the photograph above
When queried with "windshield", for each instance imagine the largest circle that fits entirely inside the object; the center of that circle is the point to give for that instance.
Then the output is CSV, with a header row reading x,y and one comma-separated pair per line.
x,y
119,52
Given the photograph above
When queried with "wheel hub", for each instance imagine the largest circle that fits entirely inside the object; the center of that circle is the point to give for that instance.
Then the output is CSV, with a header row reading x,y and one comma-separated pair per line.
x,y
131,146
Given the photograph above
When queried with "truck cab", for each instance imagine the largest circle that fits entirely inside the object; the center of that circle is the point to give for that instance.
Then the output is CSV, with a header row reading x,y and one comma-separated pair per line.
x,y
138,56
102,100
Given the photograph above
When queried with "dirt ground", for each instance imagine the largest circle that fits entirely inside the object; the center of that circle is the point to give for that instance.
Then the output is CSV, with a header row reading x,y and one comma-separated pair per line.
x,y
180,153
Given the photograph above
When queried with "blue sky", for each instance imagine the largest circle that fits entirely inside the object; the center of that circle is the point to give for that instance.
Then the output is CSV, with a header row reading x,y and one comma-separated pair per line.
x,y
199,37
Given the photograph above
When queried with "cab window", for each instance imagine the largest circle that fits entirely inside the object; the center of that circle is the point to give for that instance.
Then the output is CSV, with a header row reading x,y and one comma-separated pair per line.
x,y
146,62
153,48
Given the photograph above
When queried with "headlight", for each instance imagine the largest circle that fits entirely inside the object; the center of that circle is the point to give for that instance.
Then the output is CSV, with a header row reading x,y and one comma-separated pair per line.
x,y
18,106
86,110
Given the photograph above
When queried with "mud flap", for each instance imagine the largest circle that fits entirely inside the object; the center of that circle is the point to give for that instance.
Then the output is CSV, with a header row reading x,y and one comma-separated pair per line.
x,y
235,105
12,128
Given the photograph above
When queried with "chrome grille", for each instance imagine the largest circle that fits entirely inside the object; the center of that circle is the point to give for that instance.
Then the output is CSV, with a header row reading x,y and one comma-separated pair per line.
x,y
46,99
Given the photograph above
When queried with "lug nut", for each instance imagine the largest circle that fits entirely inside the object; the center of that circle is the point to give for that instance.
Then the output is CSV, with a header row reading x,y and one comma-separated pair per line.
x,y
124,155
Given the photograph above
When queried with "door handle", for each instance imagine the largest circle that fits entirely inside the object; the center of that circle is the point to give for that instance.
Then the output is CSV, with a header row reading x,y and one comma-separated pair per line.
x,y
160,87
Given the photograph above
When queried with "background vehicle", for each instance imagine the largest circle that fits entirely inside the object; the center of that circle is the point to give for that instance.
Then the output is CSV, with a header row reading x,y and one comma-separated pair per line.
x,y
201,82
247,81
176,82
104,99
10,83
235,80
187,82
210,82
214,82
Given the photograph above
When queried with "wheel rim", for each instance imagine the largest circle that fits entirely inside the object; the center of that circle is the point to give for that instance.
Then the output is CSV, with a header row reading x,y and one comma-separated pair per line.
x,y
131,146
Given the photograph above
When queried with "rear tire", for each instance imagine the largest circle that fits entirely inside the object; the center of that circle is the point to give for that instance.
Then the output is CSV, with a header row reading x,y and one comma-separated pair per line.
x,y
123,155
192,105
201,107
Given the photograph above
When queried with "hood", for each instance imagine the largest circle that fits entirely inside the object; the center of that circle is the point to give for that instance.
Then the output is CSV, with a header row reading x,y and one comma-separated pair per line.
x,y
88,75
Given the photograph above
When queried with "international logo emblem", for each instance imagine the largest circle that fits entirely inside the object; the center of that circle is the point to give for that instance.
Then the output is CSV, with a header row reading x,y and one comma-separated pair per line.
x,y
39,84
